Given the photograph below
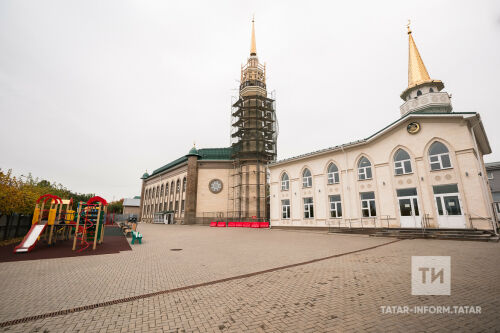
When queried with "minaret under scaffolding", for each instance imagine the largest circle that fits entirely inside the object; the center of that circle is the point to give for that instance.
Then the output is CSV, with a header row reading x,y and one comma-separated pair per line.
x,y
253,139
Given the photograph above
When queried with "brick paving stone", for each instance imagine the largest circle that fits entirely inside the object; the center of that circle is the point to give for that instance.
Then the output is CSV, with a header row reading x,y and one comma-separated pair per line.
x,y
338,294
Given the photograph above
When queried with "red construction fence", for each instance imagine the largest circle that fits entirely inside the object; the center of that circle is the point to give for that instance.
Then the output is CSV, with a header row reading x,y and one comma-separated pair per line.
x,y
249,224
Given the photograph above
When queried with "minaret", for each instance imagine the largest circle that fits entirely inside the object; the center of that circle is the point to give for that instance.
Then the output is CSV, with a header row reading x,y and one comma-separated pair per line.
x,y
253,137
423,94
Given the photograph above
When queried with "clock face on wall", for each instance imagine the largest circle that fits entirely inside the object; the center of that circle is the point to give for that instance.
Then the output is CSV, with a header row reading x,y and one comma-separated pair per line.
x,y
413,128
215,185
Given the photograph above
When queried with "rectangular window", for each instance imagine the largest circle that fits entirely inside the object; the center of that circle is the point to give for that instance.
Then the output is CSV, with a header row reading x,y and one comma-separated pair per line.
x,y
443,189
284,185
402,167
440,161
307,181
177,205
490,175
365,173
368,208
285,209
308,208
406,192
333,177
335,206
182,206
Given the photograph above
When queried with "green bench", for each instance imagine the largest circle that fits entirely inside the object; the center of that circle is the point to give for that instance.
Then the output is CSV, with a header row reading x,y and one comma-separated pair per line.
x,y
136,236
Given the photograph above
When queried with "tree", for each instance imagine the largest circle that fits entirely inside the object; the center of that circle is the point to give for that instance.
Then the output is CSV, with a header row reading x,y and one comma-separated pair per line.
x,y
19,194
116,207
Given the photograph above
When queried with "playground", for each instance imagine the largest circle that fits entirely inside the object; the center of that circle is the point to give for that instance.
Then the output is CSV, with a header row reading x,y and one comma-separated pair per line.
x,y
59,231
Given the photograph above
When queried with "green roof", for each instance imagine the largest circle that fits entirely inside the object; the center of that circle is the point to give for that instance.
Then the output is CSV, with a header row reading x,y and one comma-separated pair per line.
x,y
219,154
216,153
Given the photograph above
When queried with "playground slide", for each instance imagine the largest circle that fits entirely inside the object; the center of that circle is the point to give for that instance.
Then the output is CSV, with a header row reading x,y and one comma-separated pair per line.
x,y
30,239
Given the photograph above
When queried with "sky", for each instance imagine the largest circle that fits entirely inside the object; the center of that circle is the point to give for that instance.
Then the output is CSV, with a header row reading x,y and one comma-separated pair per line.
x,y
95,92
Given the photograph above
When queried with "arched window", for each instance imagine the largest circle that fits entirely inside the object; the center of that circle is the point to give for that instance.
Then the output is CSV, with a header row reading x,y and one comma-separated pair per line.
x,y
402,162
166,189
161,192
439,156
364,169
333,174
157,191
184,181
178,186
154,191
419,93
172,187
285,182
307,180
431,90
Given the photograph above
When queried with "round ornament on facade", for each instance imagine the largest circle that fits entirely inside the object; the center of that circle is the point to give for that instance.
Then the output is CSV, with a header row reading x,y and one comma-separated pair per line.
x,y
215,186
447,176
409,181
413,128
438,178
400,182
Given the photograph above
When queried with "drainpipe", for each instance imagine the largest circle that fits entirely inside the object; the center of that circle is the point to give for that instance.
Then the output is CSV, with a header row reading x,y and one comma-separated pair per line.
x,y
484,183
347,181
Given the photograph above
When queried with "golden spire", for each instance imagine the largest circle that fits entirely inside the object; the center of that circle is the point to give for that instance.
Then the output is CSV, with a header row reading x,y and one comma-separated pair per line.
x,y
417,73
253,47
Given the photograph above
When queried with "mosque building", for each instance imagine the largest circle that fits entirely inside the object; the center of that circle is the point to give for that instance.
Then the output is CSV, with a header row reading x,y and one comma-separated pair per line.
x,y
227,182
425,169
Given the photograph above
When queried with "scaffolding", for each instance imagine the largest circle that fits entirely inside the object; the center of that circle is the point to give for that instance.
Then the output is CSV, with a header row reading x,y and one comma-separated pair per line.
x,y
254,133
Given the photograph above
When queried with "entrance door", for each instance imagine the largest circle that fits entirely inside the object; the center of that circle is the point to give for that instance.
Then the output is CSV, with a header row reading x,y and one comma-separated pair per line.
x,y
449,209
409,212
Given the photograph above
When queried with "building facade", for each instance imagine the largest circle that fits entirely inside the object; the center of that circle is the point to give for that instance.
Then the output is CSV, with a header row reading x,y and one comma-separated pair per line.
x,y
425,169
493,173
221,182
132,206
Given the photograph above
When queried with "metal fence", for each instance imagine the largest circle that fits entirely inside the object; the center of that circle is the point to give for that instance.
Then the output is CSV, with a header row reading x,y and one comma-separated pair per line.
x,y
14,225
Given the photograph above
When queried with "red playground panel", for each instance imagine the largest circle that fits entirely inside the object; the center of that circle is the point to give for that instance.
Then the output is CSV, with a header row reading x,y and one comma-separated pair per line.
x,y
239,224
221,224
247,224
264,224
213,224
231,224
255,225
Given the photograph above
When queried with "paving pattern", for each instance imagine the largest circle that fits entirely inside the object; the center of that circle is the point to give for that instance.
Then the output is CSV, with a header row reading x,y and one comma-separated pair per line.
x,y
343,293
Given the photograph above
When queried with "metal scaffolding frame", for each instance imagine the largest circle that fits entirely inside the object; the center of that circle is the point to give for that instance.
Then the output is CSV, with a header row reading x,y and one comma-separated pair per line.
x,y
254,134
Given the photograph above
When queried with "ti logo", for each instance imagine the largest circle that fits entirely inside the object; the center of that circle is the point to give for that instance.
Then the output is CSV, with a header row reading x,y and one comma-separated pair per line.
x,y
430,275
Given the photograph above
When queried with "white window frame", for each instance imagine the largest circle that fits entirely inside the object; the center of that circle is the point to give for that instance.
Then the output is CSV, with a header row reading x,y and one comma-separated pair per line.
x,y
308,208
401,165
307,180
285,184
440,161
285,209
333,177
334,207
362,173
490,175
368,201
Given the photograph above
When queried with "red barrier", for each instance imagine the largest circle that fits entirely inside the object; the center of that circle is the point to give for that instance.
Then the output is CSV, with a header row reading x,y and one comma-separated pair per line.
x,y
255,225
264,224
239,224
213,224
221,224
247,224
231,224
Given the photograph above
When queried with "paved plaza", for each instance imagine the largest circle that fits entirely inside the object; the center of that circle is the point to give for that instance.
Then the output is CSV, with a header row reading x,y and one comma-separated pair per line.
x,y
236,279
